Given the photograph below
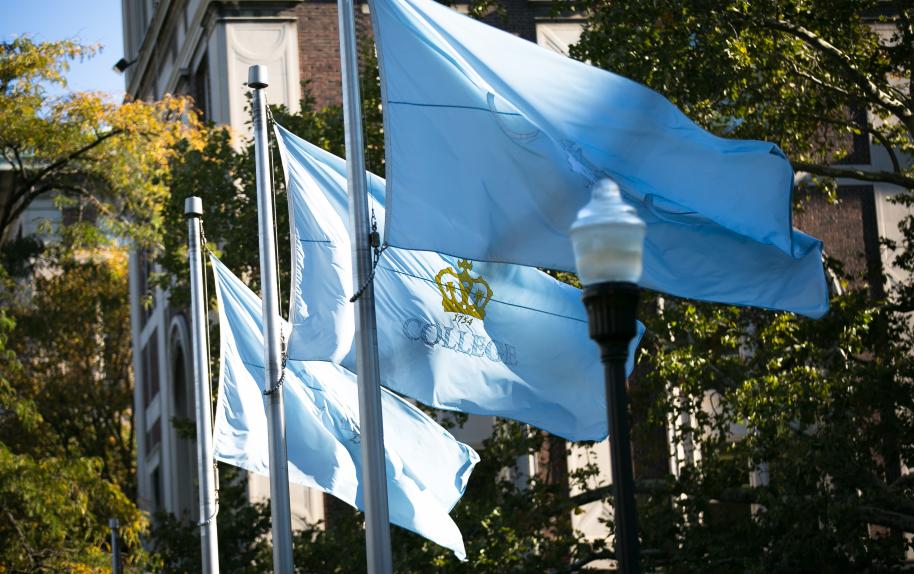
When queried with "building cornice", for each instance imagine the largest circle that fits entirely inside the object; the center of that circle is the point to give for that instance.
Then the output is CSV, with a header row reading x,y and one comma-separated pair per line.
x,y
207,14
144,55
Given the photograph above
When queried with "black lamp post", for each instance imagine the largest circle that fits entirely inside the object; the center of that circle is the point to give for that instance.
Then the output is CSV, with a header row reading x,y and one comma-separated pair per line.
x,y
608,240
116,566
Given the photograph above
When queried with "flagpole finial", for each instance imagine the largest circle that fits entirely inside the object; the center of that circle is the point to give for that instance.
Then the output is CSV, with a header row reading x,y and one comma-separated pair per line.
x,y
258,77
193,207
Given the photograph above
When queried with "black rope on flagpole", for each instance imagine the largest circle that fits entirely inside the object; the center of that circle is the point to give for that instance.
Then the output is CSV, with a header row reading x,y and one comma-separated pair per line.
x,y
215,512
284,356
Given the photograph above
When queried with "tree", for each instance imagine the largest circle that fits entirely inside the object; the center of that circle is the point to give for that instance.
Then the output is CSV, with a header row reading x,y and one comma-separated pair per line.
x,y
807,396
55,513
509,525
825,405
67,455
242,530
55,504
806,74
73,341
82,148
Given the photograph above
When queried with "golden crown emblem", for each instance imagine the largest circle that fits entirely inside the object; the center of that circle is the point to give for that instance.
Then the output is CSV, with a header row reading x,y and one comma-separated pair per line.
x,y
461,293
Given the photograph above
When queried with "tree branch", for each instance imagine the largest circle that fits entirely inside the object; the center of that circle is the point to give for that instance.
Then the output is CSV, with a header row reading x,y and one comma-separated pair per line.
x,y
579,564
654,486
814,41
18,191
889,518
19,201
73,155
589,496
893,157
18,204
749,495
23,539
818,82
896,165
858,174
19,161
903,481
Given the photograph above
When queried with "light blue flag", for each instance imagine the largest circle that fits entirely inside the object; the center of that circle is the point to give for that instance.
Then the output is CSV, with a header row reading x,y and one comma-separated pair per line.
x,y
427,469
493,144
482,338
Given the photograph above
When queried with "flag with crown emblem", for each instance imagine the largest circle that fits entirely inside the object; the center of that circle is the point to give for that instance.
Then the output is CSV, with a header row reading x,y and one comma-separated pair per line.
x,y
480,338
493,144
427,468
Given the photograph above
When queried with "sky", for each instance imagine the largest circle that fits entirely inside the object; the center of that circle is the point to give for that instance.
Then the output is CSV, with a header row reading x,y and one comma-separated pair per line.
x,y
88,21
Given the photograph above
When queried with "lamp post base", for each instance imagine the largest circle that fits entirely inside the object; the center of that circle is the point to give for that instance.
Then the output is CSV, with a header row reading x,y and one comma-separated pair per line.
x,y
611,310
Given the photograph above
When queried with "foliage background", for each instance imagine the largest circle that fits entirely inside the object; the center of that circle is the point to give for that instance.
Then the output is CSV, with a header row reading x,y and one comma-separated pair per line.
x,y
823,408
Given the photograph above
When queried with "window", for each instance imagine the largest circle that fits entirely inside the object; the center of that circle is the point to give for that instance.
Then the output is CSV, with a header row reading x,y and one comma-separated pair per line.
x,y
144,270
154,436
200,88
184,475
155,479
150,369
558,36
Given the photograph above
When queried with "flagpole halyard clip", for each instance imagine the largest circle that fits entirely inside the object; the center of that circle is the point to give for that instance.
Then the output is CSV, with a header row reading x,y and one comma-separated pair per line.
x,y
282,375
374,239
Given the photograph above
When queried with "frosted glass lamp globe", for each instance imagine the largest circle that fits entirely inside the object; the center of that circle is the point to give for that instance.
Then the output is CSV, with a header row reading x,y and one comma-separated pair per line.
x,y
608,238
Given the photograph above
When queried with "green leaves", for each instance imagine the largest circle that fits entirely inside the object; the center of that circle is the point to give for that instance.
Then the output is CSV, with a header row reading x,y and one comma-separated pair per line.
x,y
54,514
792,72
67,454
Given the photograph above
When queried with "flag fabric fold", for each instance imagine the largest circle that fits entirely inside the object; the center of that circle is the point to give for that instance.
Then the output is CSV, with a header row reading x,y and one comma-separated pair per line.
x,y
427,469
493,144
481,338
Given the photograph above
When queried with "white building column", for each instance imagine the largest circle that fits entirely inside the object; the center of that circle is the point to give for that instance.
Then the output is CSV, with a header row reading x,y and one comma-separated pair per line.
x,y
237,43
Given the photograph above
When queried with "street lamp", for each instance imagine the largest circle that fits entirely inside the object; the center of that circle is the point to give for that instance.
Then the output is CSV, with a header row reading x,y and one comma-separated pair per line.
x,y
608,240
122,65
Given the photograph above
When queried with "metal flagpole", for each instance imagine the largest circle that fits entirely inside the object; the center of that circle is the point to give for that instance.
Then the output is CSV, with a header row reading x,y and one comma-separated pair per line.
x,y
276,421
209,542
374,479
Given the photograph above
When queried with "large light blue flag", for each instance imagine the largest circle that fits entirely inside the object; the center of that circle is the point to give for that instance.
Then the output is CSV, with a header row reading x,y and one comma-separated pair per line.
x,y
427,469
482,338
493,144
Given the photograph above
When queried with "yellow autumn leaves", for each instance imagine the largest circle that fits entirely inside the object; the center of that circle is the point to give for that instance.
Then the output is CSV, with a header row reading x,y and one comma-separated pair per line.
x,y
84,146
